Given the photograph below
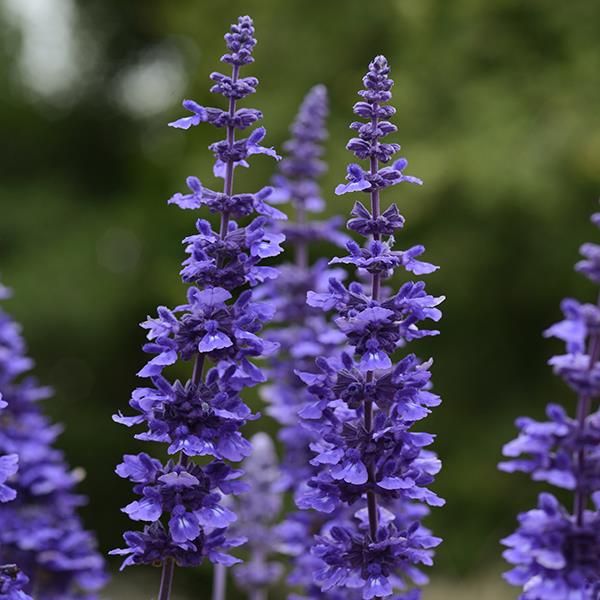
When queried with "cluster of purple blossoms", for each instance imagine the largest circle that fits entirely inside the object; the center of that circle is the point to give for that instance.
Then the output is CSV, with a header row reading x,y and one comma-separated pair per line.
x,y
302,332
12,583
370,460
555,551
9,464
43,546
182,503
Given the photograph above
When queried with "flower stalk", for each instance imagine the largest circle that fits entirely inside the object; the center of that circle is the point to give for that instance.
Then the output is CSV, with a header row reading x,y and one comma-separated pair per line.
x,y
185,505
40,530
554,552
372,470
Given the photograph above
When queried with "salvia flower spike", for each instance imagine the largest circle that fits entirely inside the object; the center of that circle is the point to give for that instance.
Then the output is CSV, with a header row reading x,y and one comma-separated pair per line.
x,y
43,546
302,332
556,551
369,457
216,329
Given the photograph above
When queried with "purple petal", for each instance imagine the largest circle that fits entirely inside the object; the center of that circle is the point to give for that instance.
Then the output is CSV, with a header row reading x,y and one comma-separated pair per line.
x,y
353,186
185,122
214,341
183,526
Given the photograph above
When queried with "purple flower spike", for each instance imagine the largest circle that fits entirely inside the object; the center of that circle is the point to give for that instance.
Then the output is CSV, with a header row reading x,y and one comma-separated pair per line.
x,y
554,551
43,545
187,508
303,332
371,472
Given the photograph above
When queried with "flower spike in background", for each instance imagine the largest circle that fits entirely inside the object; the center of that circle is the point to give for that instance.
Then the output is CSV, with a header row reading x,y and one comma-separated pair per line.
x,y
43,545
373,470
302,332
556,551
183,504
258,510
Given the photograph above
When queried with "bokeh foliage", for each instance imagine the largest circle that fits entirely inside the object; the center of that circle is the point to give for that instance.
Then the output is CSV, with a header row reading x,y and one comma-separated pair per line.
x,y
498,113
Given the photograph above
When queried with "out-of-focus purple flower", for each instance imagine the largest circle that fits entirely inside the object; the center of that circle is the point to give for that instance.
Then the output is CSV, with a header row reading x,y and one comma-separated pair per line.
x,y
39,527
363,408
8,467
12,583
302,332
9,464
258,510
554,551
186,507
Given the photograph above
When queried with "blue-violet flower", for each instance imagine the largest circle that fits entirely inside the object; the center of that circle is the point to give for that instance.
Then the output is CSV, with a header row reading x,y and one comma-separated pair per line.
x,y
555,551
216,328
303,332
40,530
369,458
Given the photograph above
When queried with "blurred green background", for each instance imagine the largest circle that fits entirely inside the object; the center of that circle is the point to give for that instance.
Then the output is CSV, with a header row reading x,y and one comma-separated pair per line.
x,y
497,111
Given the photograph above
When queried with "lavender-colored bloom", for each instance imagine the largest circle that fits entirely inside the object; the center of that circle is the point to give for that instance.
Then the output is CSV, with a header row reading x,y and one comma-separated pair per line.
x,y
258,510
9,464
39,527
12,579
554,556
8,467
369,463
183,504
12,583
555,551
353,563
302,332
154,544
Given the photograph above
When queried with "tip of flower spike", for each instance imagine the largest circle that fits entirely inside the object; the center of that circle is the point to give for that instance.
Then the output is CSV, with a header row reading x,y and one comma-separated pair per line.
x,y
5,292
316,95
379,63
240,42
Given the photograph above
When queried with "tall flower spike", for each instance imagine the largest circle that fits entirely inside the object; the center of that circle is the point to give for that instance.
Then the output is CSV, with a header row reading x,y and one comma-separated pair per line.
x,y
39,527
216,329
369,458
555,551
302,332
